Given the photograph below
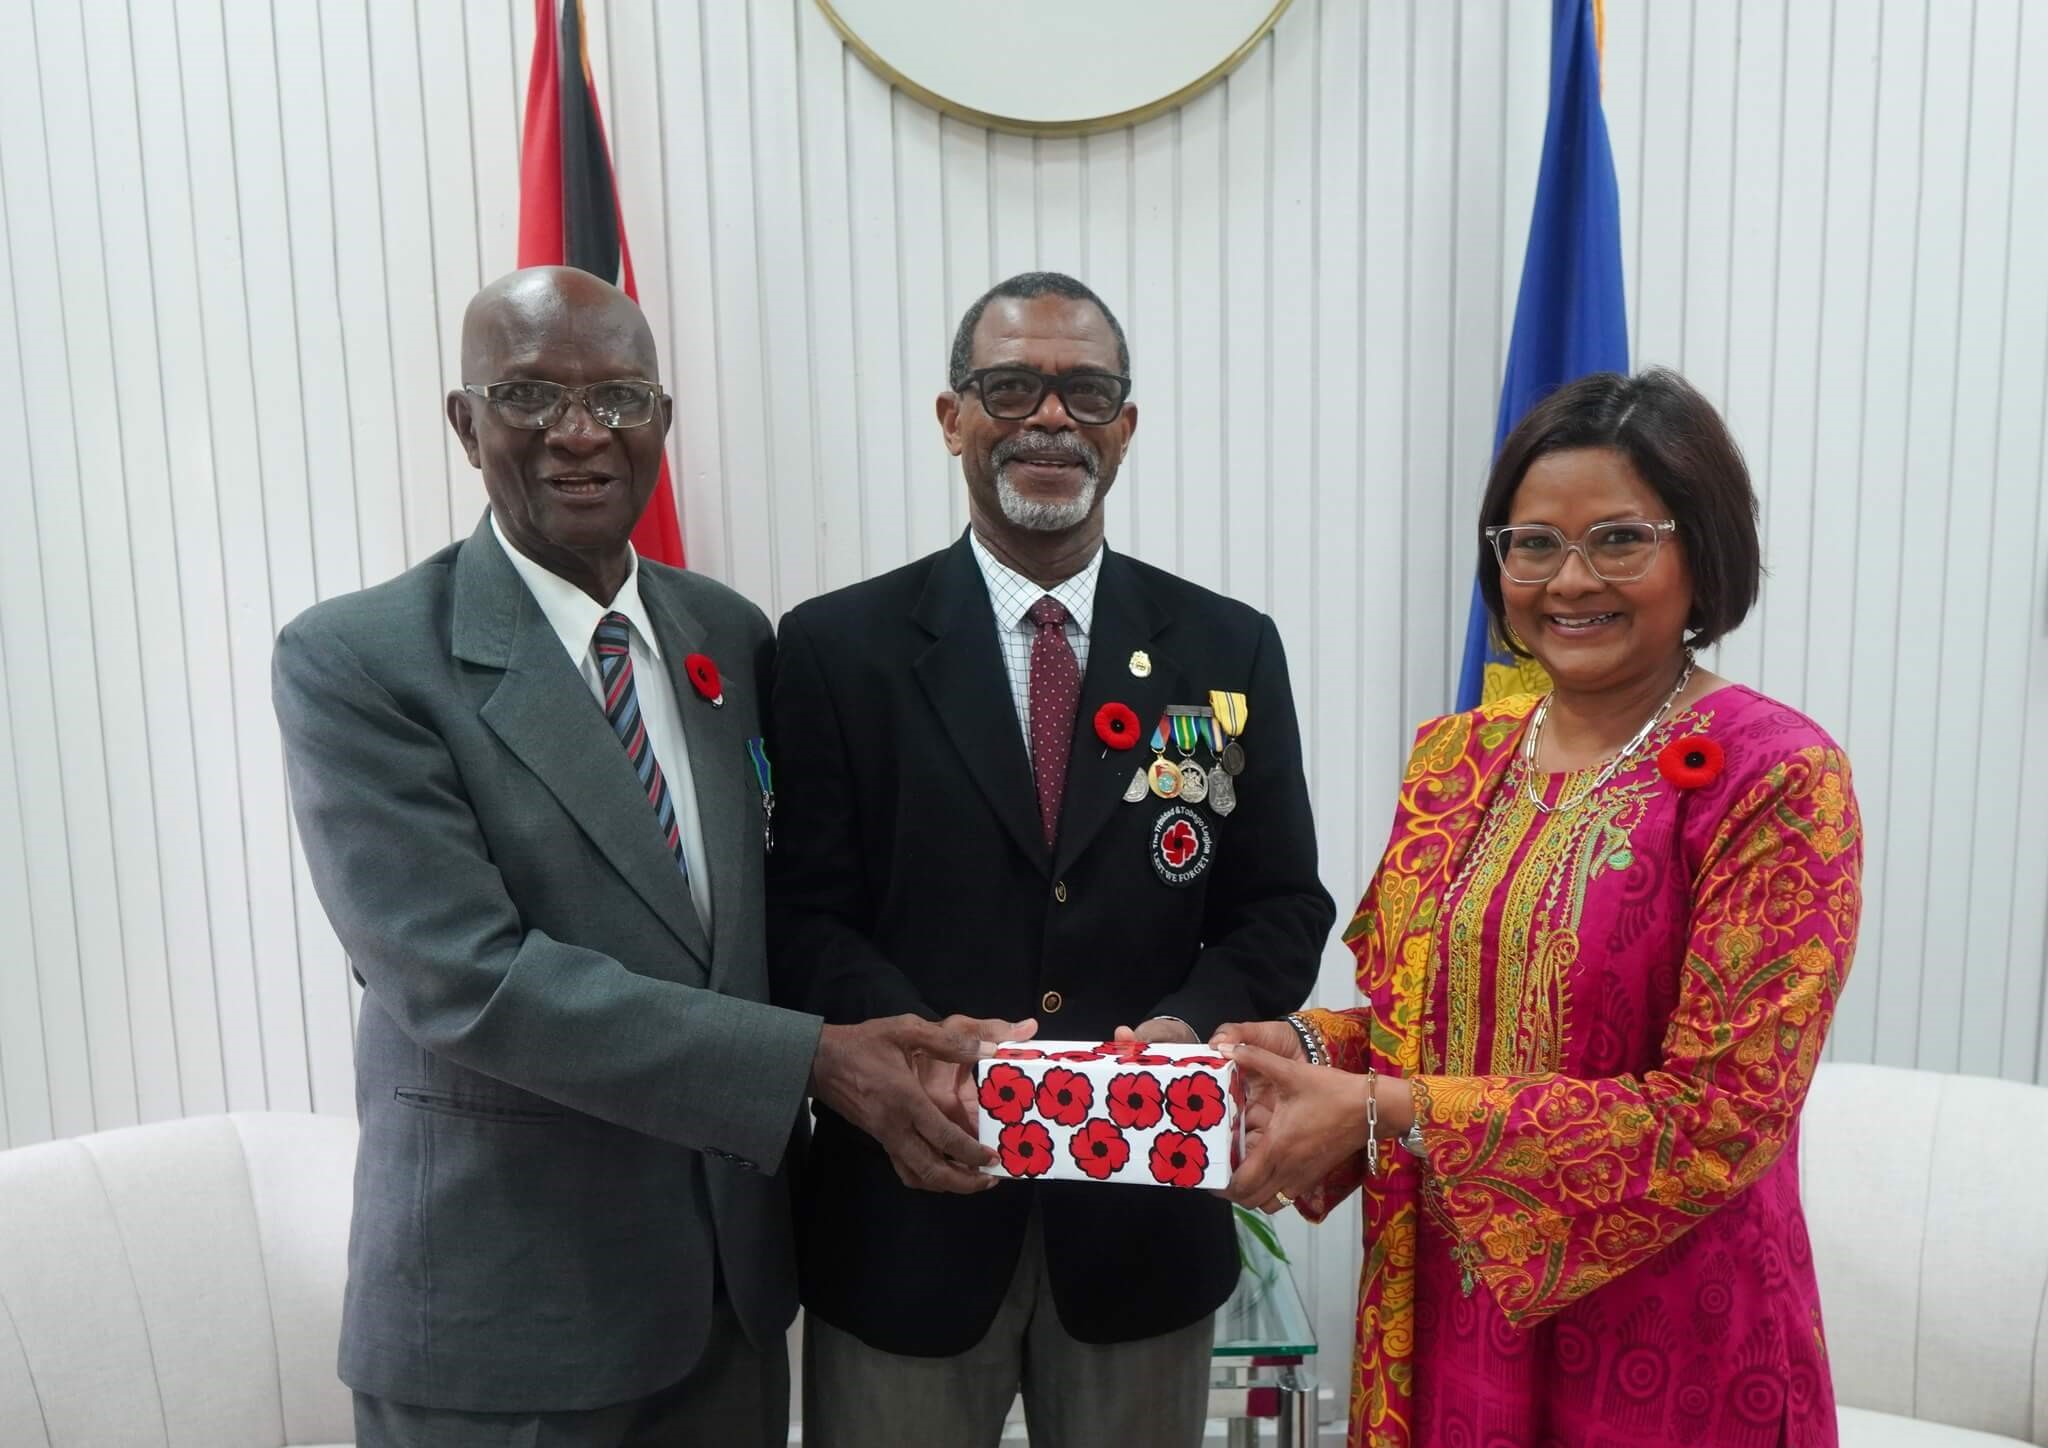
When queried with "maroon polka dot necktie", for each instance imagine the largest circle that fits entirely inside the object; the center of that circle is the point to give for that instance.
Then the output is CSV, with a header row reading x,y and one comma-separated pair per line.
x,y
1055,695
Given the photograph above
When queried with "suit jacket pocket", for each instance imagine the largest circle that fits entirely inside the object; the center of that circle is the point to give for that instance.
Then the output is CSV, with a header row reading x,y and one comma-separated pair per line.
x,y
450,1103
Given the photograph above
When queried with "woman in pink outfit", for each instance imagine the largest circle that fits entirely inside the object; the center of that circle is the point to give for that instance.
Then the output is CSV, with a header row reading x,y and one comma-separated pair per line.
x,y
1598,961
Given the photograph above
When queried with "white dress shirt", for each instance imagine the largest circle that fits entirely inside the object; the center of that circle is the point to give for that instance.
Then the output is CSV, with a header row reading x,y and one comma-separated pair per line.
x,y
1011,594
574,615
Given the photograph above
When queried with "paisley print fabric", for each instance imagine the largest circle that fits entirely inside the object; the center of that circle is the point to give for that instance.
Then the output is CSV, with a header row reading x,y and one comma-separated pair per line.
x,y
1610,1014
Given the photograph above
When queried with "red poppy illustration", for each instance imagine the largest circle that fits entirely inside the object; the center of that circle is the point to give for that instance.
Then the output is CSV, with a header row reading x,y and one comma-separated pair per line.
x,y
1195,1101
1135,1099
704,677
1021,1053
1099,1149
1178,1161
1075,1056
1006,1093
1116,725
1216,1061
1121,1048
1065,1096
1025,1149
1691,762
1146,1058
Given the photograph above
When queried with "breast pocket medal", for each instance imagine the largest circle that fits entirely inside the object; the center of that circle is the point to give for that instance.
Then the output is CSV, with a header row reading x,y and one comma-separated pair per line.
x,y
1222,784
1231,712
1162,776
764,774
1194,783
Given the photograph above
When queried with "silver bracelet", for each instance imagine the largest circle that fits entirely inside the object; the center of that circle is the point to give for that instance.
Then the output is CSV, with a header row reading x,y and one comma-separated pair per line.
x,y
1372,1123
1311,1039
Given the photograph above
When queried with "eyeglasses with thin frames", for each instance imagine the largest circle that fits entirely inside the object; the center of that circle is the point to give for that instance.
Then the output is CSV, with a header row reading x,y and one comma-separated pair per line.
x,y
1620,551
534,404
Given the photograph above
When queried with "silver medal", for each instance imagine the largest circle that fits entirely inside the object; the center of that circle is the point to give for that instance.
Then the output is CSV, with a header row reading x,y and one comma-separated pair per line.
x,y
1138,788
1222,792
1194,784
1233,758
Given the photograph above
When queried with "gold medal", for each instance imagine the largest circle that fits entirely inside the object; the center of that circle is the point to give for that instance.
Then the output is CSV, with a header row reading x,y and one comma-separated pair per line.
x,y
1164,778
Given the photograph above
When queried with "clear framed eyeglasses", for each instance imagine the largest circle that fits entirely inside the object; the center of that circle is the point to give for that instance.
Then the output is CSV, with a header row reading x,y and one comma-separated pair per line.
x,y
1617,552
533,404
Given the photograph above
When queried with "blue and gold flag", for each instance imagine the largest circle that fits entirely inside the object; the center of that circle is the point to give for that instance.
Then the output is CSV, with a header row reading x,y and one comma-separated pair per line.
x,y
1570,317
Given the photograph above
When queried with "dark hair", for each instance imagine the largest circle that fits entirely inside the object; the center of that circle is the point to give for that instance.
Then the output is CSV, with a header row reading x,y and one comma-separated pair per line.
x,y
1680,446
1024,286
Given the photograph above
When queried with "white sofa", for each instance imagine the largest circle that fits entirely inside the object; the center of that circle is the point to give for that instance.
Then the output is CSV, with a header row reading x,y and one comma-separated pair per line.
x,y
176,1284
181,1283
1926,1197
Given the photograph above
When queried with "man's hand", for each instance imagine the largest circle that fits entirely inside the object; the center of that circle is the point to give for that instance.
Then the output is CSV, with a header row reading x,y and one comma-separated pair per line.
x,y
1159,1028
950,1084
868,1074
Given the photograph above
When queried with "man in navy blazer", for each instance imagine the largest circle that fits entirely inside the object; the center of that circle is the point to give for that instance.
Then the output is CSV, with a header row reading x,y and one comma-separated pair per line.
x,y
959,840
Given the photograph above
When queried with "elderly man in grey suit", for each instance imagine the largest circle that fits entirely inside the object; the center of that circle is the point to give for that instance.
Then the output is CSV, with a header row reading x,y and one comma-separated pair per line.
x,y
525,772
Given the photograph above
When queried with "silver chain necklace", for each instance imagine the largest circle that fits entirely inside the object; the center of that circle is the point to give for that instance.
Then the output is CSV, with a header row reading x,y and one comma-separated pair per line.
x,y
1530,778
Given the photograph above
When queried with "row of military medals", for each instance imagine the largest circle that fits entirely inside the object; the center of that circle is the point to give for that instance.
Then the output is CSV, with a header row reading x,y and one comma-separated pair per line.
x,y
1190,726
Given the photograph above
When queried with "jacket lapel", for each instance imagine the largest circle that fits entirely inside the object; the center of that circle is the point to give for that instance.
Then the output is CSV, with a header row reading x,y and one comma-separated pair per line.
x,y
963,675
1127,619
717,747
545,714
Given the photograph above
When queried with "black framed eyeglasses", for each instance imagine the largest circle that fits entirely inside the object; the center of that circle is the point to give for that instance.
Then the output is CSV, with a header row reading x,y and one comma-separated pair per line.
x,y
531,403
1013,393
1617,552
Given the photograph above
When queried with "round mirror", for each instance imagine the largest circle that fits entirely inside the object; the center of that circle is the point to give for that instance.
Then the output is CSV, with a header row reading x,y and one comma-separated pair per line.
x,y
1053,67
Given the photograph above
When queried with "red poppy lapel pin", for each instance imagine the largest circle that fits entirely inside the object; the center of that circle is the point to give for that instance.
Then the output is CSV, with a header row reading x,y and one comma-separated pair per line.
x,y
703,675
1692,762
1116,726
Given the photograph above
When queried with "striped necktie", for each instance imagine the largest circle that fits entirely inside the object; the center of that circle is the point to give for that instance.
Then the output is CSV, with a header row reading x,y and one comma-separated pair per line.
x,y
622,707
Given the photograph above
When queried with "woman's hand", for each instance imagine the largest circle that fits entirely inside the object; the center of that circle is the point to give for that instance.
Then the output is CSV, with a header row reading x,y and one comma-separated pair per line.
x,y
1277,1037
1302,1122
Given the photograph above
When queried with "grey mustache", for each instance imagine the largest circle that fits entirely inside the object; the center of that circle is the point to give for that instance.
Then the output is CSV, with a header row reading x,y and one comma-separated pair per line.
x,y
1019,443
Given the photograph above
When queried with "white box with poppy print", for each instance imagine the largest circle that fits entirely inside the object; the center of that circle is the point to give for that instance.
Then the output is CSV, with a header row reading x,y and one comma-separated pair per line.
x,y
1118,1111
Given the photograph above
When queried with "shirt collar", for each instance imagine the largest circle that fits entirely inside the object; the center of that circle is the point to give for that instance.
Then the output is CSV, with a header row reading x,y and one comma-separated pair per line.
x,y
573,614
1011,594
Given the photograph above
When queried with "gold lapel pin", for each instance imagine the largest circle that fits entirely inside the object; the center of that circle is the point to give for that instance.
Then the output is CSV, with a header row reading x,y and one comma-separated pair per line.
x,y
1141,664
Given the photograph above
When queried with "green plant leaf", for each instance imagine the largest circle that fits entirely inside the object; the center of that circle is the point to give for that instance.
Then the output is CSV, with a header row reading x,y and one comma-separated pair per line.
x,y
1262,1231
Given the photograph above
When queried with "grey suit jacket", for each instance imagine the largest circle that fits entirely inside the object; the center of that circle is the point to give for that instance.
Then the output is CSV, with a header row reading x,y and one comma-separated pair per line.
x,y
574,1105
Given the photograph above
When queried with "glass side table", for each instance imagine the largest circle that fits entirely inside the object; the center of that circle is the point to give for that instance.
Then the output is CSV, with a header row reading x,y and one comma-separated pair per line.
x,y
1258,1367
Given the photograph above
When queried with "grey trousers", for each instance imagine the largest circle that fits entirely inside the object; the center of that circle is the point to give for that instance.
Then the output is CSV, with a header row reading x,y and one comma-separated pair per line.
x,y
1153,1393
735,1397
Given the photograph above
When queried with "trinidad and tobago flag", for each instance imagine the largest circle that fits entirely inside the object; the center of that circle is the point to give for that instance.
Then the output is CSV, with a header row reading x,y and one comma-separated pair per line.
x,y
569,205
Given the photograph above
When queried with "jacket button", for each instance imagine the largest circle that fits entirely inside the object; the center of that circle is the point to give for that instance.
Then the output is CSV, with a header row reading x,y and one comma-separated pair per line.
x,y
1051,1002
1059,892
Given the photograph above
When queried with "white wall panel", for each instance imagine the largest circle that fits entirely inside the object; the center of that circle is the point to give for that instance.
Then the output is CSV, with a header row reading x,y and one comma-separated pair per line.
x,y
238,238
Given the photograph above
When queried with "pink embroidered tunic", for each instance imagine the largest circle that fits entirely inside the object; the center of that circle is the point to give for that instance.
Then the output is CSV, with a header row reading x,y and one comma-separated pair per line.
x,y
1611,1013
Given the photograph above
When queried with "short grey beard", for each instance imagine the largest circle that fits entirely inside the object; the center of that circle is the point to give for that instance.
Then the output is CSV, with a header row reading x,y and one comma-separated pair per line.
x,y
1041,516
